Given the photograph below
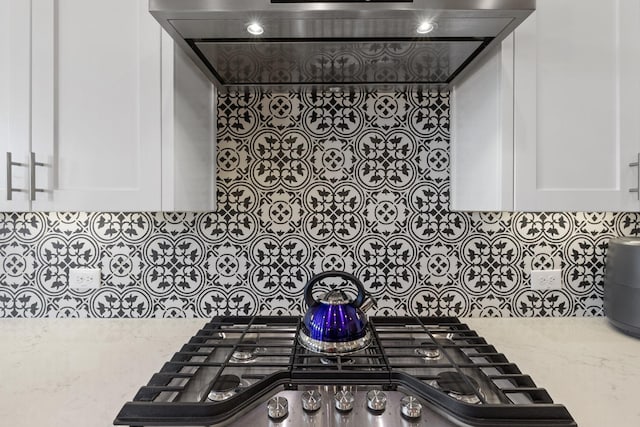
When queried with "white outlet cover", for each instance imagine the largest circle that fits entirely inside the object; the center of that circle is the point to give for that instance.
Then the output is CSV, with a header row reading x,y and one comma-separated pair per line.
x,y
546,279
84,278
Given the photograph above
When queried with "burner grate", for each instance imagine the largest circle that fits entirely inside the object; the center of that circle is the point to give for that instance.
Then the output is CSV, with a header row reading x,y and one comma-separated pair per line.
x,y
264,354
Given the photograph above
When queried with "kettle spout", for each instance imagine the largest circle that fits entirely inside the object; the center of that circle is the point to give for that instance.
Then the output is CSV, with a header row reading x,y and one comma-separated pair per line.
x,y
368,303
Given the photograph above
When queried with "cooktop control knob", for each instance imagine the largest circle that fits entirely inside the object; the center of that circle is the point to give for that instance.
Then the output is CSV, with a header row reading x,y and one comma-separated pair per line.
x,y
376,400
410,407
344,400
311,400
278,407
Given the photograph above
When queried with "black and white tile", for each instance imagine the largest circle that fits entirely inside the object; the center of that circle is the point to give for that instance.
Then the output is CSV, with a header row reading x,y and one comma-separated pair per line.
x,y
308,182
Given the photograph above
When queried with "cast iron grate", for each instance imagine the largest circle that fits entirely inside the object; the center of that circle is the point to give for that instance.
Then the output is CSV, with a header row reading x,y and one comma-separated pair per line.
x,y
178,394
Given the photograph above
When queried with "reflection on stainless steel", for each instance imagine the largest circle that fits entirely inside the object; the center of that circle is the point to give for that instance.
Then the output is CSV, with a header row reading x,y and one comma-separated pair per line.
x,y
337,62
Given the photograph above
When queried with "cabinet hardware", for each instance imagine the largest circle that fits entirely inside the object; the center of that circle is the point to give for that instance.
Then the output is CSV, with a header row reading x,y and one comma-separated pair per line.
x,y
10,165
33,164
637,189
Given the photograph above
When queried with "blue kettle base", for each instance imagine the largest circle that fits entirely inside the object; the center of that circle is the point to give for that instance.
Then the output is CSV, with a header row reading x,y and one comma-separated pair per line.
x,y
335,324
334,347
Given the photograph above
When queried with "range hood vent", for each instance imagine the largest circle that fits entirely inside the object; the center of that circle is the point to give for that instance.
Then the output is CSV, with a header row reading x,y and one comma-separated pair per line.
x,y
335,43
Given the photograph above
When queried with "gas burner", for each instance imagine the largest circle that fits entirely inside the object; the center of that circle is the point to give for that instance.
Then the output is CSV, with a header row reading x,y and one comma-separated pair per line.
x,y
328,360
443,339
428,349
428,353
225,387
246,352
459,386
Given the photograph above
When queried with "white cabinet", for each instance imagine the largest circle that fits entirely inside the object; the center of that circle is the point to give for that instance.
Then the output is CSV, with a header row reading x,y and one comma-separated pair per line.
x,y
550,121
96,105
482,134
108,102
188,133
15,86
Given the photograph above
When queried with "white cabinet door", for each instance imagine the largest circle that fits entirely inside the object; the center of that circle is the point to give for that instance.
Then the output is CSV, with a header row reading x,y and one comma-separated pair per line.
x,y
96,112
15,86
573,86
566,95
629,102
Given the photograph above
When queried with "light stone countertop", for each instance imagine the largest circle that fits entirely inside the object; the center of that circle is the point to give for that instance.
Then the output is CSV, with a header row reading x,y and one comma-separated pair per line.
x,y
78,373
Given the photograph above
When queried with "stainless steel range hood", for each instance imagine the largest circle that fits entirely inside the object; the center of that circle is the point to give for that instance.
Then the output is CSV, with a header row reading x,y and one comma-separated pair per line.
x,y
336,43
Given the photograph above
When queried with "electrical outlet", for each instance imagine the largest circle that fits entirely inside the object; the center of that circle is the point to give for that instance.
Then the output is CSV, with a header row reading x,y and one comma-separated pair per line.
x,y
546,279
84,278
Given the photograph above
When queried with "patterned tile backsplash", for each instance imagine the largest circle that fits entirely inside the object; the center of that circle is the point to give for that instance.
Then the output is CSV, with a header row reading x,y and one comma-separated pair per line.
x,y
309,182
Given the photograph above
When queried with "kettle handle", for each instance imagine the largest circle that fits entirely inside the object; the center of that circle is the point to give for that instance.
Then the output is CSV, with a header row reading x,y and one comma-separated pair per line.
x,y
308,288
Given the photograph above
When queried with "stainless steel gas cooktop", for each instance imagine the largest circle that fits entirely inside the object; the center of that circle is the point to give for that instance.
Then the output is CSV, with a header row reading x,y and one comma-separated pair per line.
x,y
417,371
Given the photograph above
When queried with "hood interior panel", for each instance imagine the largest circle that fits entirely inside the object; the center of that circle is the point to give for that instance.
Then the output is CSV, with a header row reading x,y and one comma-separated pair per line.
x,y
336,62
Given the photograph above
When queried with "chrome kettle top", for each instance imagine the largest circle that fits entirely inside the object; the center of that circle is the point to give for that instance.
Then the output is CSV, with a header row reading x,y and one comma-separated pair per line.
x,y
335,297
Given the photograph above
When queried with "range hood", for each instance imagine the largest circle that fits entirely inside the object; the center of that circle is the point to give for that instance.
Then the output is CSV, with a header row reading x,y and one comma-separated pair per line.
x,y
335,44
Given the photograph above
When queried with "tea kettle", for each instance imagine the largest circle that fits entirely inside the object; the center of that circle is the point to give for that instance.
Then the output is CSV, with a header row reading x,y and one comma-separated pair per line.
x,y
335,324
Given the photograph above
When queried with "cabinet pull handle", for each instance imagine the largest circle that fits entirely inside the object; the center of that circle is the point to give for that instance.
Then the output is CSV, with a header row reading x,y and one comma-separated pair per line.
x,y
10,165
637,189
33,164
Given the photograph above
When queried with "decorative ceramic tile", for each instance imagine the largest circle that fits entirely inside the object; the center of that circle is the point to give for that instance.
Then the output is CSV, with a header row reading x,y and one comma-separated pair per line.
x,y
108,227
56,254
542,256
27,227
218,302
308,182
17,264
438,266
25,302
386,160
490,265
173,223
173,266
227,265
111,302
554,227
333,159
585,256
68,306
332,113
121,264
527,302
280,110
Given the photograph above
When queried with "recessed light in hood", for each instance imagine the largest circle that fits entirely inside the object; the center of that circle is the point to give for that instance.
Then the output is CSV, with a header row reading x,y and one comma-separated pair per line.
x,y
255,29
331,43
425,27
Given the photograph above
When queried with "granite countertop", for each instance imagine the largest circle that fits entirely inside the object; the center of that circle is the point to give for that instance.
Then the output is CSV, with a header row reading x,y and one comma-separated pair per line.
x,y
69,372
